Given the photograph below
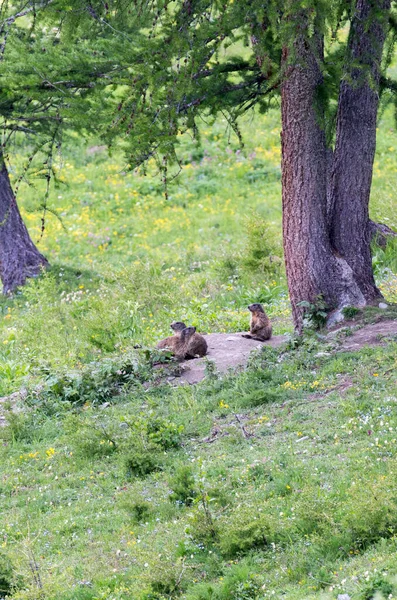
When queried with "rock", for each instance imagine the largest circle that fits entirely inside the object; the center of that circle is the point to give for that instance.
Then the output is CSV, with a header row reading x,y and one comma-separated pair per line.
x,y
343,597
383,305
335,317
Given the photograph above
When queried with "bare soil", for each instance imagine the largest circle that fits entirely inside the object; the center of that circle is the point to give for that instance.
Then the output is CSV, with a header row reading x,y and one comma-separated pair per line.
x,y
228,351
370,335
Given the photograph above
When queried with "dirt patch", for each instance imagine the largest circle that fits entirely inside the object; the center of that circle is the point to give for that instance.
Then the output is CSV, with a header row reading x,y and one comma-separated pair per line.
x,y
228,351
370,335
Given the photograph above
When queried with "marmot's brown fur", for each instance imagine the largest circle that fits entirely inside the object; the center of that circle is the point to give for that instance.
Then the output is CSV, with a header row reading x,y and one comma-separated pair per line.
x,y
197,345
182,341
260,326
168,342
178,344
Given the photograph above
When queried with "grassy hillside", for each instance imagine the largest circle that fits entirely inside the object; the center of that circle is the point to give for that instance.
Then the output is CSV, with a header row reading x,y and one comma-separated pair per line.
x,y
279,482
126,261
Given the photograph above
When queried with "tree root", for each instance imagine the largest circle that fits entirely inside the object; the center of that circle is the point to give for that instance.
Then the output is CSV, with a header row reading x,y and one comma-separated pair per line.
x,y
380,233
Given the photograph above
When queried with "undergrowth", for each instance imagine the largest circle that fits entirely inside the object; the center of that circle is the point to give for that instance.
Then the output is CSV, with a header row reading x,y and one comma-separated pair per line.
x,y
277,482
266,484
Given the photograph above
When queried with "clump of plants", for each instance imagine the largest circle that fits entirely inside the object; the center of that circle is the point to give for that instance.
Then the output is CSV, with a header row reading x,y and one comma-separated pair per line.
x,y
183,486
315,313
263,251
243,532
140,442
7,579
141,459
350,312
378,586
94,383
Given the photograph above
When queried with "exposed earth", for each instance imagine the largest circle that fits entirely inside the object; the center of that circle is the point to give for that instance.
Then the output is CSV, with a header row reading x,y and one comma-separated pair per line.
x,y
231,350
227,351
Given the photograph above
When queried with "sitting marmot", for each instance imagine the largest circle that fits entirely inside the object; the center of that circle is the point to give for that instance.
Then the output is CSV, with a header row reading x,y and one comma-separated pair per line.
x,y
182,343
260,326
197,345
168,342
179,344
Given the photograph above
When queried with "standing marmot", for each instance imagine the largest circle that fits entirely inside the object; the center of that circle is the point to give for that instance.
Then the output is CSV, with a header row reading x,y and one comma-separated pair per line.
x,y
179,344
197,345
260,326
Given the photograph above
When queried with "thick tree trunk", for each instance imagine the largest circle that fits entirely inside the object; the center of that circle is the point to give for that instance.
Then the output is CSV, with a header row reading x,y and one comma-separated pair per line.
x,y
313,269
19,257
356,140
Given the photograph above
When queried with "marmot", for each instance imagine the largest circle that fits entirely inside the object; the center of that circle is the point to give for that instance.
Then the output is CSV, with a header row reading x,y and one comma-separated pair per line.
x,y
197,345
260,326
178,344
168,342
182,342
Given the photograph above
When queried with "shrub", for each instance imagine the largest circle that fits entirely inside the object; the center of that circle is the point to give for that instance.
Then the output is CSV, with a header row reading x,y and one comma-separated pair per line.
x,y
141,512
202,526
95,383
20,427
141,460
377,584
90,438
238,583
183,485
242,533
263,251
315,313
6,575
349,312
164,433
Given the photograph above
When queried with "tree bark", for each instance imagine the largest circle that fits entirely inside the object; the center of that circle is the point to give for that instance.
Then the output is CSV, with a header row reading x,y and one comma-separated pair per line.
x,y
312,267
356,140
19,257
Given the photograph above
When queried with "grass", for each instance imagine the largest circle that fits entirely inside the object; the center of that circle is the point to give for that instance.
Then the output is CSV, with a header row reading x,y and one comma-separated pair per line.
x,y
270,483
126,262
293,497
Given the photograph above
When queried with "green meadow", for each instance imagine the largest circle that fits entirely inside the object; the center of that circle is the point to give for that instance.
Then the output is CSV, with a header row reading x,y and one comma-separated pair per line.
x,y
276,482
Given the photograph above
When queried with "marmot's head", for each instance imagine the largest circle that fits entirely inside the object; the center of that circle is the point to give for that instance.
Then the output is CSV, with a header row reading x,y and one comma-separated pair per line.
x,y
256,307
178,326
187,333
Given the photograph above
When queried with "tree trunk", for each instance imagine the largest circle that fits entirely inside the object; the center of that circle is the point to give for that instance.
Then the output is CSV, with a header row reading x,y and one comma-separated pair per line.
x,y
313,269
356,140
19,257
